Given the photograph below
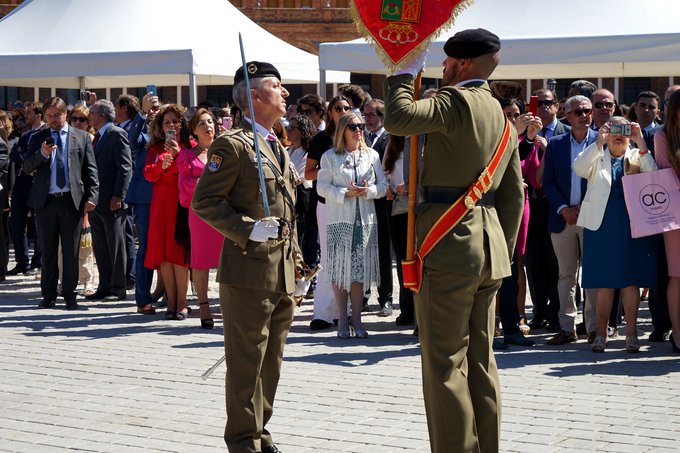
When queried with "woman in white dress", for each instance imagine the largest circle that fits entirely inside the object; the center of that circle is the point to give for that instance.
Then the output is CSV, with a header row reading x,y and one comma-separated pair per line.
x,y
350,175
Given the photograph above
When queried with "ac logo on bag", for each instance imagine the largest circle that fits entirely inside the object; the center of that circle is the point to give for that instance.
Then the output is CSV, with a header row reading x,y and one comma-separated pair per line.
x,y
654,199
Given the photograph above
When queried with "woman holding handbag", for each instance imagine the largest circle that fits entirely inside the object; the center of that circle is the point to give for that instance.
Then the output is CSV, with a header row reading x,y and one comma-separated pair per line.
x,y
612,258
667,149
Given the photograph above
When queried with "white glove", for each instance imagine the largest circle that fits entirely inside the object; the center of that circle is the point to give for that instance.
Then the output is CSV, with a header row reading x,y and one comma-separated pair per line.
x,y
414,66
265,229
301,287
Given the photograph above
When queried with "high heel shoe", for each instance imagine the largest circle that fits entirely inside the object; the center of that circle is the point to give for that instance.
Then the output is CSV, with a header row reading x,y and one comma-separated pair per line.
x,y
343,334
675,348
207,323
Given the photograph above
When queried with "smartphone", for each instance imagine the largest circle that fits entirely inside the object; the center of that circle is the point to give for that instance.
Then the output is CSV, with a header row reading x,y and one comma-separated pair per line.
x,y
49,141
619,129
151,89
170,135
533,105
84,96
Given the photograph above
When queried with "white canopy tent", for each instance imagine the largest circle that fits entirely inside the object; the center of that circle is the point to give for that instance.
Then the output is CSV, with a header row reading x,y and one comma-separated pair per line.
x,y
578,39
131,43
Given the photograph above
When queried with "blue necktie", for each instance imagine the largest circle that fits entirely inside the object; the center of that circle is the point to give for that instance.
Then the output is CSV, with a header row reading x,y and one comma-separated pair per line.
x,y
59,155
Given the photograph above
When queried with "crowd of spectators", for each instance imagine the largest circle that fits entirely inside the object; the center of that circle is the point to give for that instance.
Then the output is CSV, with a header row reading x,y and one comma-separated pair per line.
x,y
574,246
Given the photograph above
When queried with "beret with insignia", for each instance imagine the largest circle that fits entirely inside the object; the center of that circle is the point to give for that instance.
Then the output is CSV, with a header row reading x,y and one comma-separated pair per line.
x,y
255,70
472,43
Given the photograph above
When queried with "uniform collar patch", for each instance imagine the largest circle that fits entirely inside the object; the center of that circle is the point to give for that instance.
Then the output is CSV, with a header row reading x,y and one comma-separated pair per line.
x,y
215,162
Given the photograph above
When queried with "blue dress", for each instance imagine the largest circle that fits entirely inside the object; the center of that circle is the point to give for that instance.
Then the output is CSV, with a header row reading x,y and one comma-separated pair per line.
x,y
611,257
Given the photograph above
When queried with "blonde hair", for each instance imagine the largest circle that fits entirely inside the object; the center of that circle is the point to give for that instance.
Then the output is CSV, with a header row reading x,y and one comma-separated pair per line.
x,y
339,138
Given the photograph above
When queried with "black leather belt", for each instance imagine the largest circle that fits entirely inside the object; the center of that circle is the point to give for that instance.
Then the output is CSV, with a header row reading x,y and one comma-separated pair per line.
x,y
449,195
58,194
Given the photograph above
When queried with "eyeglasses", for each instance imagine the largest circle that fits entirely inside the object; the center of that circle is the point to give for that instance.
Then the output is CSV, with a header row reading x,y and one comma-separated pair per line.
x,y
603,105
342,108
305,111
546,102
78,119
372,114
579,112
354,127
173,122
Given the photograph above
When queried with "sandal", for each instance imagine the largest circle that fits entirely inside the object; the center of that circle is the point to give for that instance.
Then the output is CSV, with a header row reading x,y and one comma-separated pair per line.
x,y
207,323
632,344
182,315
343,334
170,315
599,343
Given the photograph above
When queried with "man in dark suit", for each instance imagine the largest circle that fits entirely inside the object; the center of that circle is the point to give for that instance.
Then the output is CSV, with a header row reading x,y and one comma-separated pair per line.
x,y
65,185
565,191
540,260
19,218
127,107
114,165
376,137
139,199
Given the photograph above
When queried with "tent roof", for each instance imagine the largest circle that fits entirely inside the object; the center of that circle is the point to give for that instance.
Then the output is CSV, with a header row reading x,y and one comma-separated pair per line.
x,y
581,38
130,43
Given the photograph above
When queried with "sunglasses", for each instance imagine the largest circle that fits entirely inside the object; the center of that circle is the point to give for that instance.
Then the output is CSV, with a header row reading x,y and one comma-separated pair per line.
x,y
342,108
372,114
579,112
603,105
512,115
354,127
78,119
546,102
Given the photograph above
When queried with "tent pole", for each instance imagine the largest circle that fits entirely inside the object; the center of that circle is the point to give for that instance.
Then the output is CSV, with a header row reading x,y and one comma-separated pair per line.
x,y
528,89
53,92
671,81
108,93
321,88
616,88
193,94
179,94
599,82
81,83
36,94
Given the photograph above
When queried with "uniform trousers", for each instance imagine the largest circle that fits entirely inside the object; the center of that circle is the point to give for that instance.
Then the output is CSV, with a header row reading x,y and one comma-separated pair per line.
x,y
460,379
568,246
108,243
256,324
59,221
324,302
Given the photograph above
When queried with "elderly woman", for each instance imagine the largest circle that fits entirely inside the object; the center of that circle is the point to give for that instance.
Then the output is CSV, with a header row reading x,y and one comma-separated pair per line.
x,y
168,228
667,148
206,242
611,257
350,175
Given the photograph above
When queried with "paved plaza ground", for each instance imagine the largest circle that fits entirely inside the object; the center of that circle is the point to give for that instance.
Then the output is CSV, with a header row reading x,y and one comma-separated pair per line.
x,y
107,379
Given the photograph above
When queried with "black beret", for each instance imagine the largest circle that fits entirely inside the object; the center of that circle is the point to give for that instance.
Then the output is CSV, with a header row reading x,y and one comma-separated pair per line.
x,y
472,44
257,69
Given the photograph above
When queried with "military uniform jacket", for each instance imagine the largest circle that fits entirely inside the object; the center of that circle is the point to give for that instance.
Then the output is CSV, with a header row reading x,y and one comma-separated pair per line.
x,y
228,197
463,126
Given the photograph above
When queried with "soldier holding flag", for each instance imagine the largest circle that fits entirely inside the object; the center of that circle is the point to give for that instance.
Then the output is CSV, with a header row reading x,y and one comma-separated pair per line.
x,y
466,229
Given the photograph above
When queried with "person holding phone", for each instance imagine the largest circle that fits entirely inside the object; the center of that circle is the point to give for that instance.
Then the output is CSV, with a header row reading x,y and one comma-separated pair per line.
x,y
167,244
350,175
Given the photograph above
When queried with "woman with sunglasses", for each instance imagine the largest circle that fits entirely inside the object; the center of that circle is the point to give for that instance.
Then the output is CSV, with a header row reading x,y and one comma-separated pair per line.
x,y
324,306
351,174
80,120
167,244
612,258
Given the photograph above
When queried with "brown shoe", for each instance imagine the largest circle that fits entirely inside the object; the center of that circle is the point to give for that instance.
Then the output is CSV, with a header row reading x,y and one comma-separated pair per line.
x,y
562,338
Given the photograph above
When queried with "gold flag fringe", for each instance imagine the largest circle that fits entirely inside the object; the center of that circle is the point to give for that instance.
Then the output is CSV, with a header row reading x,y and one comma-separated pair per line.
x,y
384,57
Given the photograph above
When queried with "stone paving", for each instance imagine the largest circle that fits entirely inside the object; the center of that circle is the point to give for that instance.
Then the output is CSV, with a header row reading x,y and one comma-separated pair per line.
x,y
107,379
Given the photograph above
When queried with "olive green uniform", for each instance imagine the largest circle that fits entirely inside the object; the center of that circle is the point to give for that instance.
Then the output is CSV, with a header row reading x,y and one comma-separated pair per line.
x,y
257,279
455,308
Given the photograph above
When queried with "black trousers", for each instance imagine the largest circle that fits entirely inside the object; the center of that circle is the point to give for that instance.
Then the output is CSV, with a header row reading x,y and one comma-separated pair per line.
x,y
108,244
658,295
398,225
59,221
384,251
541,264
131,256
18,222
308,230
4,242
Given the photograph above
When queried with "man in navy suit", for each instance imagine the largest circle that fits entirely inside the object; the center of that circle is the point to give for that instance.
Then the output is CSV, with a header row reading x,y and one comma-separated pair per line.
x,y
139,199
565,191
114,164
65,185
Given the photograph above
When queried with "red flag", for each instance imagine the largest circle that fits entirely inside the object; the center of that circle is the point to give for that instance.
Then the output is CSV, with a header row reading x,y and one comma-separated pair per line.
x,y
401,28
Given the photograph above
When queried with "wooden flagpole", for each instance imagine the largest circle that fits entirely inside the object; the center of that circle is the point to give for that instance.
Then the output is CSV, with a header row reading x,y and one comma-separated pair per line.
x,y
413,182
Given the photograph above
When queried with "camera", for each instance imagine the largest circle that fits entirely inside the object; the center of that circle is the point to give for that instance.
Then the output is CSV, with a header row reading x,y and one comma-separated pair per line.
x,y
619,129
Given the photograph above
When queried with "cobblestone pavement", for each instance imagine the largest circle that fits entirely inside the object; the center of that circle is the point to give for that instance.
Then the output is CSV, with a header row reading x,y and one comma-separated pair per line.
x,y
107,379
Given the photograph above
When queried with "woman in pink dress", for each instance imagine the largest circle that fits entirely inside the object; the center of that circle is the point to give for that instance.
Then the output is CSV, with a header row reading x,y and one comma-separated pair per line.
x,y
667,153
206,242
